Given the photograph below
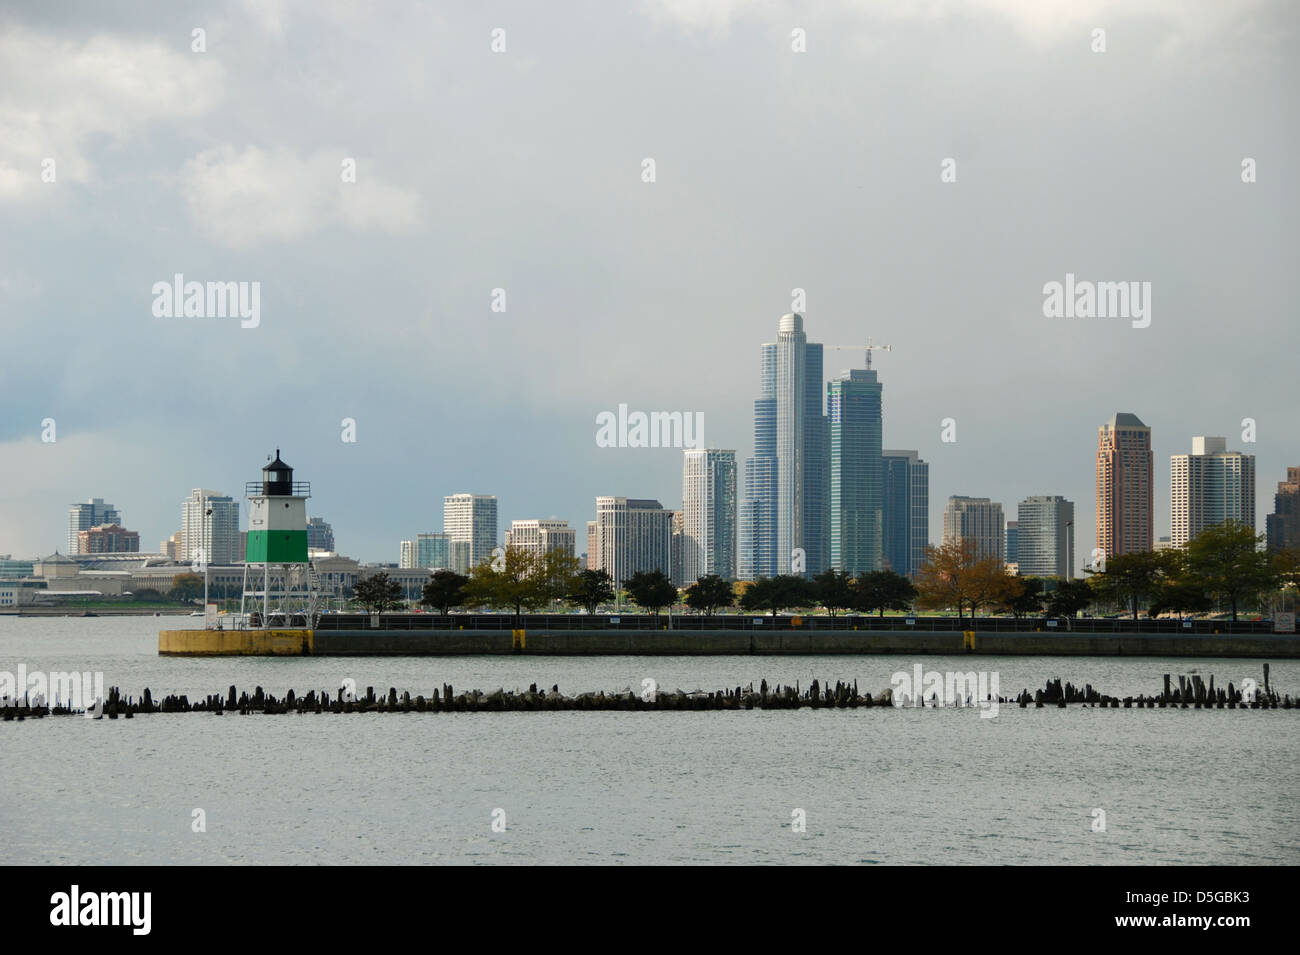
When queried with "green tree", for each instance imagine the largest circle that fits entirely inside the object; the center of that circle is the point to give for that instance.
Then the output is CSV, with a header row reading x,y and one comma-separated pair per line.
x,y
590,589
651,590
186,587
556,575
509,578
1286,564
445,589
774,594
709,593
1023,595
1068,598
833,589
1131,579
1228,563
377,593
882,590
1179,596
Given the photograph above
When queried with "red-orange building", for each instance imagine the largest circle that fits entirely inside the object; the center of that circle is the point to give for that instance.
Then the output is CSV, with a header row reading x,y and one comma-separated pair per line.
x,y
108,539
1124,486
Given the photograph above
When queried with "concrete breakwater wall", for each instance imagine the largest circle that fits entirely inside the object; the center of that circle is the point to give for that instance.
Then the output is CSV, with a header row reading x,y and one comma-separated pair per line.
x,y
713,642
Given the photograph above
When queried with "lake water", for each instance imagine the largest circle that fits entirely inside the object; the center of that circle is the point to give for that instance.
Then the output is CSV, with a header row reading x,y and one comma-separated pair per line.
x,y
875,785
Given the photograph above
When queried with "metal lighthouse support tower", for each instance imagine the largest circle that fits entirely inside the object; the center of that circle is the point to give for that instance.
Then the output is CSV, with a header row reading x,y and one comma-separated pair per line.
x,y
277,545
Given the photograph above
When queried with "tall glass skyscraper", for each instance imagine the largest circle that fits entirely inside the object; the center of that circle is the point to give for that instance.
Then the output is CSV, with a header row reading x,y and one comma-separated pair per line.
x,y
708,537
905,510
853,411
784,518
758,505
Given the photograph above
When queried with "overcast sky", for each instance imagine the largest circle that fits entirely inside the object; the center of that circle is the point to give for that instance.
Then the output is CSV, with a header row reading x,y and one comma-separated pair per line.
x,y
523,170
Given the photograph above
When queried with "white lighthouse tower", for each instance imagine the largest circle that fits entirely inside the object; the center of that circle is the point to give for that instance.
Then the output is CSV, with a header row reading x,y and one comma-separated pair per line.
x,y
277,546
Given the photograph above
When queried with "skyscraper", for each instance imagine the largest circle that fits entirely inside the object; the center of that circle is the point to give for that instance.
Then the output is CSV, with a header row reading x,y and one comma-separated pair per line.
x,y
853,412
82,517
406,555
790,446
1208,487
540,536
632,535
1045,537
471,519
1283,524
320,536
708,522
1013,542
433,551
976,519
905,510
1124,486
758,505
215,533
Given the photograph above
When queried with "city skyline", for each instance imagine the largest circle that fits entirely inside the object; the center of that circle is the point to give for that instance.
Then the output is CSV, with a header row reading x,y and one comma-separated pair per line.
x,y
1214,447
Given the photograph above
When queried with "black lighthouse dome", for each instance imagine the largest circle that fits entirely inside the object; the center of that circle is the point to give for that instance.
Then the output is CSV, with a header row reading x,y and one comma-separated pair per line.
x,y
277,478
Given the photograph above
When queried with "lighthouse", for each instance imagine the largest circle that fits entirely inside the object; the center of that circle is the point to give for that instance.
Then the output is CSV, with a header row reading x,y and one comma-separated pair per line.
x,y
277,543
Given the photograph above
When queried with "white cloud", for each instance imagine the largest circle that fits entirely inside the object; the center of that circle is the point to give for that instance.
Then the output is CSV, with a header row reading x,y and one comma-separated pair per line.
x,y
58,95
244,198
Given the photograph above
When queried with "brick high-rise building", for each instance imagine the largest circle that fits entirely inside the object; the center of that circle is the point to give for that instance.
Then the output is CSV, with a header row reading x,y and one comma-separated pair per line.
x,y
1283,525
1124,486
108,539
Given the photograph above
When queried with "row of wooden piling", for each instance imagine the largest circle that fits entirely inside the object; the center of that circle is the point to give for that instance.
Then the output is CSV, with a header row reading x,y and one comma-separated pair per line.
x,y
1191,693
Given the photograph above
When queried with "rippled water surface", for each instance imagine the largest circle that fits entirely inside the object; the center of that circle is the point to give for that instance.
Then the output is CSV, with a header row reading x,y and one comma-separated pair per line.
x,y
875,785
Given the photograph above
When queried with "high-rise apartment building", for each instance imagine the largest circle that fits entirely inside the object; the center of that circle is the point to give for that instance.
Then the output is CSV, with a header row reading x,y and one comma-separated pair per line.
x,y
707,540
210,525
787,482
433,551
632,535
1124,486
853,413
1210,486
1045,537
541,536
979,520
108,539
591,546
1283,525
406,555
320,535
905,510
471,519
82,517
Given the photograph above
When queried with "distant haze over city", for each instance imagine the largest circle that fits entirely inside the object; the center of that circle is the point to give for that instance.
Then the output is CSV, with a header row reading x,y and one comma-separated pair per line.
x,y
499,272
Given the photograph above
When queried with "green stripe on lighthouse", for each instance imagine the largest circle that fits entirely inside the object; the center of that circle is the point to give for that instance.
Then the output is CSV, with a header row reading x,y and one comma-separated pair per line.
x,y
277,547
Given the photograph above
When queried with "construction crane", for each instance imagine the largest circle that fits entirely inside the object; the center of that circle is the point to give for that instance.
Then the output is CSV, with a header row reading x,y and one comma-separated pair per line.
x,y
868,348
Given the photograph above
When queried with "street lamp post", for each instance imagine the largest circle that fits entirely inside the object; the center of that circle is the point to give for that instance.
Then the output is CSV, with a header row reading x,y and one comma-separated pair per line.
x,y
207,543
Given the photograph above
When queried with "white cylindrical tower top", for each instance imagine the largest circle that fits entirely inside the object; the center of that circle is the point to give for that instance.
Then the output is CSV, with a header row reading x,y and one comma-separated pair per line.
x,y
791,323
